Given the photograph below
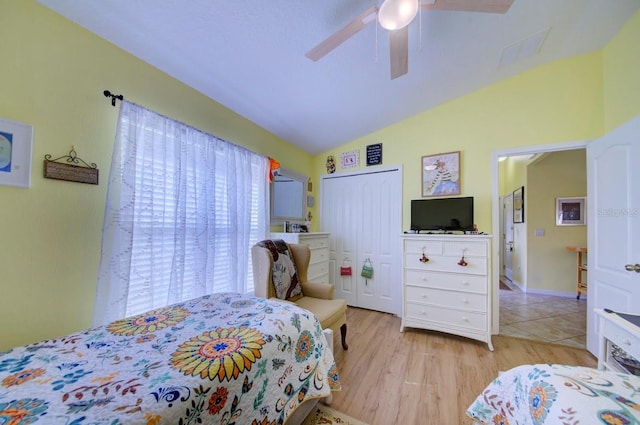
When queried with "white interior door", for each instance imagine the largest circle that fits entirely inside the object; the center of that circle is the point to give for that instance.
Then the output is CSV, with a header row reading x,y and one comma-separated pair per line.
x,y
363,214
613,216
341,206
507,231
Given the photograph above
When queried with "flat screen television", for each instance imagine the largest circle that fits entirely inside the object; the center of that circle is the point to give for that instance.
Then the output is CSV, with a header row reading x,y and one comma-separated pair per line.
x,y
442,214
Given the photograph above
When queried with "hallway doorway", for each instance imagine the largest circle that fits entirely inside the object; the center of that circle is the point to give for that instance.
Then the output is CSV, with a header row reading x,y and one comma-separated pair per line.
x,y
529,309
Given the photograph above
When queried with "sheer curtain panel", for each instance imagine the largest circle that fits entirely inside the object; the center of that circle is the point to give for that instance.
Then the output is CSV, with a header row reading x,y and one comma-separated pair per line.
x,y
183,210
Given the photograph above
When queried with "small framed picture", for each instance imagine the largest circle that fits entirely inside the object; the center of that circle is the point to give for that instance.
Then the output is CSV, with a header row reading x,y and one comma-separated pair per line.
x,y
350,159
571,211
15,153
518,205
441,174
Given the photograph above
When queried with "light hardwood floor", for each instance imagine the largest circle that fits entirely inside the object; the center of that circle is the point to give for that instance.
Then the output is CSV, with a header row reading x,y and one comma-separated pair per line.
x,y
423,377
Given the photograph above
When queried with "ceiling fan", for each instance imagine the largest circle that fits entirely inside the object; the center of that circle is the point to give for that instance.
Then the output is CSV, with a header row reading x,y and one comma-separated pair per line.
x,y
395,16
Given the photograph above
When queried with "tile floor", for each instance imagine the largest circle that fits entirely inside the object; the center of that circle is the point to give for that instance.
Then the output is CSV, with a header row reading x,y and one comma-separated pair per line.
x,y
546,318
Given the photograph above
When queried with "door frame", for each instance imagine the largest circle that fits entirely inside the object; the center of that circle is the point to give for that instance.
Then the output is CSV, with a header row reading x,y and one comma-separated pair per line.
x,y
496,205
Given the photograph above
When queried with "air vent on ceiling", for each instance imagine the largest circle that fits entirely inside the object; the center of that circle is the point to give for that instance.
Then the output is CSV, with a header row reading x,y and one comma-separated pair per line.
x,y
523,48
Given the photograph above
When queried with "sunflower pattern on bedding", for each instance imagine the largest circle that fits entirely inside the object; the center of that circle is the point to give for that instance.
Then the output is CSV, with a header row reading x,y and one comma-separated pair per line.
x,y
558,394
219,359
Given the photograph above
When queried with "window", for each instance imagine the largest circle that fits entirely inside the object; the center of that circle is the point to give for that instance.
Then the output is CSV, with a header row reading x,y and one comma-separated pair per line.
x,y
183,210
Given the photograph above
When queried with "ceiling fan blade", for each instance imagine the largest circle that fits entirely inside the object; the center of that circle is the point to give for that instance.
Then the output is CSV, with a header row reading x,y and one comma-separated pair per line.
x,y
399,52
353,27
487,6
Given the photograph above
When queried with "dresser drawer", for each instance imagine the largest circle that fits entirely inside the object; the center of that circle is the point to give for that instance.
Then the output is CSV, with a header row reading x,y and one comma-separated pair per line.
x,y
443,298
319,255
317,269
315,243
447,316
457,282
423,246
469,248
622,338
475,265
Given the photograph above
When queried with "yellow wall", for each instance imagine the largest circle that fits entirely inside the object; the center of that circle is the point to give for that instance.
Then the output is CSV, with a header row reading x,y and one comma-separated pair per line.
x,y
557,102
549,265
52,76
621,64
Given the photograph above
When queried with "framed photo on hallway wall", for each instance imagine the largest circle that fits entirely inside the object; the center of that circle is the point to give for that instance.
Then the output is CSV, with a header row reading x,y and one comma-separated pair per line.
x,y
518,205
571,211
441,174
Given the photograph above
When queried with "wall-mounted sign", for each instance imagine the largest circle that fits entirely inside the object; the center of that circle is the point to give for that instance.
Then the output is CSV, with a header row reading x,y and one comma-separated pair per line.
x,y
350,159
374,154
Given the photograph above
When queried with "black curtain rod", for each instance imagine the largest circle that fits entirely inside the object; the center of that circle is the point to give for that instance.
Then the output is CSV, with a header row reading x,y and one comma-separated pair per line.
x,y
113,97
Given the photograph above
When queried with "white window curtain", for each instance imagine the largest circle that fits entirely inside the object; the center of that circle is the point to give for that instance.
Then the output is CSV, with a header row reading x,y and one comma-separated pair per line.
x,y
183,210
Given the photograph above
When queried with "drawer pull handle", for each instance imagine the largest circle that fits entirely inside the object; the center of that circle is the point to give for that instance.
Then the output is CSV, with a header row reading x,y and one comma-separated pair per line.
x,y
465,283
627,342
462,262
424,258
465,301
465,319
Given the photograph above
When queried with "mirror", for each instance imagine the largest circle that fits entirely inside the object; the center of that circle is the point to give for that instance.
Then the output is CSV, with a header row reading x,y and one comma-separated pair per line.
x,y
288,197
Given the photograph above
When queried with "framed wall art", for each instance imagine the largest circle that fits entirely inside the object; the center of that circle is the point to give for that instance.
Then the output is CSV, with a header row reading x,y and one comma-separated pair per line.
x,y
350,159
16,141
518,205
441,174
571,211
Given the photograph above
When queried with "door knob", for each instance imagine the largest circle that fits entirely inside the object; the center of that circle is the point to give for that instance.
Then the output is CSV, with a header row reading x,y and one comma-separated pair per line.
x,y
632,268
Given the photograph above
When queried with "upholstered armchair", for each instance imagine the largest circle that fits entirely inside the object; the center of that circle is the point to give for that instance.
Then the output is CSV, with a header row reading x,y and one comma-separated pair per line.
x,y
316,297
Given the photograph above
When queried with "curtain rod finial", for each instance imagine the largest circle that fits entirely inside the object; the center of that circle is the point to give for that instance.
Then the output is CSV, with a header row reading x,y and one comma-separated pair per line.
x,y
113,97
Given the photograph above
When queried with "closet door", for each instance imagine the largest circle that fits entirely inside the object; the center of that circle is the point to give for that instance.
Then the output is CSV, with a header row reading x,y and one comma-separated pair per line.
x,y
363,212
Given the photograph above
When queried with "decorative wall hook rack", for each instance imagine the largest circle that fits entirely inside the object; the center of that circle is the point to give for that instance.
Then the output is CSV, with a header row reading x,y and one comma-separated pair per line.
x,y
69,170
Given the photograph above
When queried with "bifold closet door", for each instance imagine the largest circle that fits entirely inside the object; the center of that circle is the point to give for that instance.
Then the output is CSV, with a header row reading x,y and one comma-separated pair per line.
x,y
363,214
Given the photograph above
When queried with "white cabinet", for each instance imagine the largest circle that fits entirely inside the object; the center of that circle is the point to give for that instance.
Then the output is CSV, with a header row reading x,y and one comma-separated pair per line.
x,y
619,343
446,283
318,243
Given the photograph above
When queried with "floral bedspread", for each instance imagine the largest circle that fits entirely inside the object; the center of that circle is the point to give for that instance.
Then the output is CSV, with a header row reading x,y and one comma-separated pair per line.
x,y
220,359
558,394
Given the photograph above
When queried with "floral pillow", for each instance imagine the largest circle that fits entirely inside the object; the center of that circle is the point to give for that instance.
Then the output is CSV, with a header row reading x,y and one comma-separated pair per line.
x,y
558,394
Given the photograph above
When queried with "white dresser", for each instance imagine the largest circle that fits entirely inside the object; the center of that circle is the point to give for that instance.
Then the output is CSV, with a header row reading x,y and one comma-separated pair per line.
x,y
444,292
318,243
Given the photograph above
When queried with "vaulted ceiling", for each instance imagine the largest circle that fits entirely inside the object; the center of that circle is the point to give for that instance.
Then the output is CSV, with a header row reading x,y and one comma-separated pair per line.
x,y
249,55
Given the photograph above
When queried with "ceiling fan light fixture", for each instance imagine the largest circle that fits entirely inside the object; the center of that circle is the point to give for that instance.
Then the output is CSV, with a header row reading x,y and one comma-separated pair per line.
x,y
397,14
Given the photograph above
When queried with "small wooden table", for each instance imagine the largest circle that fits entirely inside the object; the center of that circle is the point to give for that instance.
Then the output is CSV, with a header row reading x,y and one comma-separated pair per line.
x,y
581,279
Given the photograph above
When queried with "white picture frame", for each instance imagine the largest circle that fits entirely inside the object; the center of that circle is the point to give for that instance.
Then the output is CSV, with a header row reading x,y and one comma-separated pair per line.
x,y
350,159
571,211
16,143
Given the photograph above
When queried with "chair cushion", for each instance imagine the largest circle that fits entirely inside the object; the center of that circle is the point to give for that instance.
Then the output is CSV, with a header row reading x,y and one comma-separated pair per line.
x,y
327,311
284,275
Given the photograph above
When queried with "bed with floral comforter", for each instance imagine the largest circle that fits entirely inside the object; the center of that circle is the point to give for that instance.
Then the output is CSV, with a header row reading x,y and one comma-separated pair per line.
x,y
220,359
559,394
